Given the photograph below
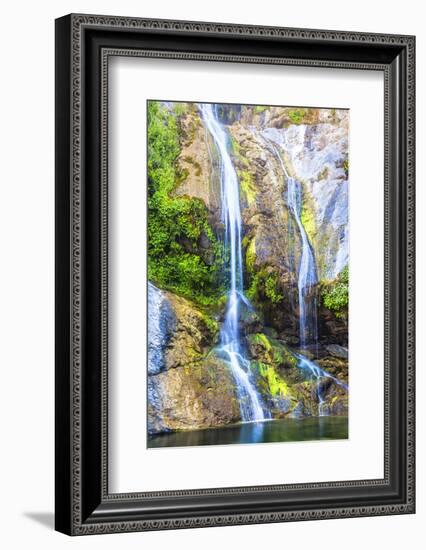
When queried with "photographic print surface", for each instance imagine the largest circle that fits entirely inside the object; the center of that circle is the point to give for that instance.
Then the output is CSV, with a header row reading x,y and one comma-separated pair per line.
x,y
248,273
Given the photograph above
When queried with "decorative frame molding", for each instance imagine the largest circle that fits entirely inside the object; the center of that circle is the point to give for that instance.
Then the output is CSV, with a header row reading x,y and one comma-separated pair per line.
x,y
84,43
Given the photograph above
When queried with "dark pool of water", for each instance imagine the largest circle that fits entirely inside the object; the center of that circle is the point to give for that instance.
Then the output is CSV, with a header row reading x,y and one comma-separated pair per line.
x,y
273,431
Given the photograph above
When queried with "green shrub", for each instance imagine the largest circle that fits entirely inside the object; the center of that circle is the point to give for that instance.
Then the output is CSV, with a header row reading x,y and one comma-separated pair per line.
x,y
247,186
264,286
335,294
176,224
296,115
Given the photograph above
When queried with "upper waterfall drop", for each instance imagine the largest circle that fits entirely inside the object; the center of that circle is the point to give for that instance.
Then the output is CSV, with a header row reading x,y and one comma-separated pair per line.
x,y
250,403
307,269
307,279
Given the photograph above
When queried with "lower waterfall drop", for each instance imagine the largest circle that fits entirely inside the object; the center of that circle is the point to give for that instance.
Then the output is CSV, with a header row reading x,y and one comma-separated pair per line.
x,y
230,346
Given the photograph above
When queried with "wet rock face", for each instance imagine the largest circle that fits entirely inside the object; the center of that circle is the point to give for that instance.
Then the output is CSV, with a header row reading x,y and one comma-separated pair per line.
x,y
192,335
290,390
197,395
269,249
332,329
337,351
314,150
178,333
161,326
187,386
196,164
316,155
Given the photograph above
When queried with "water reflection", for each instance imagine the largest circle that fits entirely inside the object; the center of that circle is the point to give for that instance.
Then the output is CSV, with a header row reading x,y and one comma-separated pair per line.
x,y
251,433
272,431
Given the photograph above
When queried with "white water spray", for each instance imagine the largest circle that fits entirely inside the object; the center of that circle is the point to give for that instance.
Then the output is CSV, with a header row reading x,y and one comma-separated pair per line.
x,y
307,277
250,403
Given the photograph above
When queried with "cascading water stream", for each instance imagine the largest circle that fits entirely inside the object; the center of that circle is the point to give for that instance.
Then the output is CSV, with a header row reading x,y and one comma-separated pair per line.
x,y
318,373
250,403
307,281
307,278
155,330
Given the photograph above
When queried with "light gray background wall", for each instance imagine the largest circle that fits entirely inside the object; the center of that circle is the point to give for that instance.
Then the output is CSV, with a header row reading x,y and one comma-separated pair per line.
x,y
26,289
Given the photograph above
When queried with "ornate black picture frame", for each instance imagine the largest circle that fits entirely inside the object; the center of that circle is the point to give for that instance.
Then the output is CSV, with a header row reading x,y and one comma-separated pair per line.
x,y
84,44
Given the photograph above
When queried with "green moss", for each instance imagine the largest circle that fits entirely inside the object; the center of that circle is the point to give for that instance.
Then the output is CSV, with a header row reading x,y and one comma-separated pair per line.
x,y
247,186
308,220
236,151
276,385
251,255
246,241
264,285
323,175
180,176
272,351
346,167
254,290
197,166
235,146
211,324
262,339
180,108
271,289
296,115
175,224
335,294
283,356
258,109
222,301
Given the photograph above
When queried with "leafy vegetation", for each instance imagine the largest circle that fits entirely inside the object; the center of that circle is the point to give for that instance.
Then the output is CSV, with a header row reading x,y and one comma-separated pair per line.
x,y
275,385
176,224
273,351
236,151
250,254
264,287
335,294
296,115
258,109
247,186
212,325
307,218
262,339
271,289
264,283
180,108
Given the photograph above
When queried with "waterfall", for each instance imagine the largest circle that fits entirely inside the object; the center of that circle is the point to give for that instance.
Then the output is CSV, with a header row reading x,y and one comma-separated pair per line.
x,y
307,277
155,329
318,373
307,281
230,345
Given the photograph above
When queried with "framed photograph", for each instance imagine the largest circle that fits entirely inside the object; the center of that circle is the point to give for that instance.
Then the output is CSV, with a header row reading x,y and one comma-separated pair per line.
x,y
234,274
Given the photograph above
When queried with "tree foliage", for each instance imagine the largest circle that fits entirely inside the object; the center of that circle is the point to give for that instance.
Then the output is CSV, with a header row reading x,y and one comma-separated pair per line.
x,y
177,223
264,287
335,295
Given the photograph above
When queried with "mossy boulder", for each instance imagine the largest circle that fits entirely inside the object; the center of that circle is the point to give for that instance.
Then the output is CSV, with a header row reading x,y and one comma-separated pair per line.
x,y
270,276
196,163
194,334
195,396
336,366
272,351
